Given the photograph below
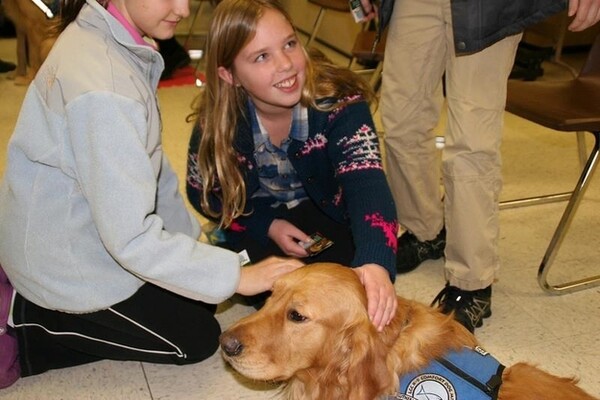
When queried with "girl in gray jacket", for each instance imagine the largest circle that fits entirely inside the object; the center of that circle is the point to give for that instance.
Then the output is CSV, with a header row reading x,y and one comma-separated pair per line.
x,y
94,235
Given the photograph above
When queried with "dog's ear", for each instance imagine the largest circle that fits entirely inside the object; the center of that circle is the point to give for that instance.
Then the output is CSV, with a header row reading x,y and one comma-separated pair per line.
x,y
368,363
358,364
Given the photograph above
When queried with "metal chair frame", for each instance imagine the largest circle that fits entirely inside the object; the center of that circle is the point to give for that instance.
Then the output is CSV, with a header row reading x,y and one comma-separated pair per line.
x,y
364,49
563,226
530,101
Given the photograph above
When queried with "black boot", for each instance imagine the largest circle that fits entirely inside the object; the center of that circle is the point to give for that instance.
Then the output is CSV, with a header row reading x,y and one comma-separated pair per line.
x,y
6,66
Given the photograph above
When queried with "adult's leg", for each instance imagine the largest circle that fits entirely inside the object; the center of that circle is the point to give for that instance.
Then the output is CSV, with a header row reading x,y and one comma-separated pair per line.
x,y
476,95
154,325
411,99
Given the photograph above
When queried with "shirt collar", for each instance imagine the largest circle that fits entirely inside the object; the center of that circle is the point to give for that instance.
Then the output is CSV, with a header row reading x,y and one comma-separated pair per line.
x,y
114,11
298,129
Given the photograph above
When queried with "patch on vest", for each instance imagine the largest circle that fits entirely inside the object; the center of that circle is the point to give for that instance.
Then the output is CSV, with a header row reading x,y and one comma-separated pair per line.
x,y
466,374
428,387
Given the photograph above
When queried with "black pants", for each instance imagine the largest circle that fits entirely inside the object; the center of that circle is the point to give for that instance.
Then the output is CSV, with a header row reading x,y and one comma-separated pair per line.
x,y
310,219
154,325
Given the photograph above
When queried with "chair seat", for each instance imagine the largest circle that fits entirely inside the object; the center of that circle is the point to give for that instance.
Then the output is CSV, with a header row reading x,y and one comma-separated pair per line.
x,y
338,5
363,46
564,105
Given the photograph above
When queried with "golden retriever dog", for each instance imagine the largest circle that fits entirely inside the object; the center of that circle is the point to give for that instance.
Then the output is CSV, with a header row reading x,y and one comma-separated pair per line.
x,y
314,334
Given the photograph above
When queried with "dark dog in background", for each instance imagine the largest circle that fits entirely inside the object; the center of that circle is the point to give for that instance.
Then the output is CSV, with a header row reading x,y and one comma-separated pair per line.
x,y
314,334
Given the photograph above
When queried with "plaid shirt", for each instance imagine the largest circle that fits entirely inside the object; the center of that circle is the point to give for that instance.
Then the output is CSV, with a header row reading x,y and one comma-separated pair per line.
x,y
277,177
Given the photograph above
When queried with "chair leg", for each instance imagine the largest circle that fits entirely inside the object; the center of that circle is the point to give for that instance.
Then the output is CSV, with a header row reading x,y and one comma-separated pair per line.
x,y
581,149
562,228
191,32
555,197
560,42
534,201
376,77
316,27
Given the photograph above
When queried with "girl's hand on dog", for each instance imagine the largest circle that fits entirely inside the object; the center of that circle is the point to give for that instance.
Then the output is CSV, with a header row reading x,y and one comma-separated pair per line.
x,y
381,294
259,277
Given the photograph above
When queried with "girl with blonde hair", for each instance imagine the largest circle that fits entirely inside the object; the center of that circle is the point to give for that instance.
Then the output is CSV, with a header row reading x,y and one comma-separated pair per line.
x,y
284,146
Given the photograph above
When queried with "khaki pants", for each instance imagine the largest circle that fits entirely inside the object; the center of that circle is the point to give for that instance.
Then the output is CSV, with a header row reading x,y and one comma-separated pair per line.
x,y
419,50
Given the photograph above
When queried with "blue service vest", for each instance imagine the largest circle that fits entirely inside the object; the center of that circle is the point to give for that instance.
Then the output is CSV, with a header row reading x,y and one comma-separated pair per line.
x,y
468,374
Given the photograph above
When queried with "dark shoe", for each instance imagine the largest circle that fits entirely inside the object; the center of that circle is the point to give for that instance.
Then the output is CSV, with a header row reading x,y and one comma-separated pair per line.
x,y
412,252
6,66
469,307
10,369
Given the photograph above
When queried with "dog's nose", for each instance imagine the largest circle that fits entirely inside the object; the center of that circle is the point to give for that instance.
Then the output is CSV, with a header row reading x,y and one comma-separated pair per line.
x,y
231,345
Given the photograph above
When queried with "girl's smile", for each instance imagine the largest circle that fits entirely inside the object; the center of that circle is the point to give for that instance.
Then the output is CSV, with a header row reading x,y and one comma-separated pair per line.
x,y
288,84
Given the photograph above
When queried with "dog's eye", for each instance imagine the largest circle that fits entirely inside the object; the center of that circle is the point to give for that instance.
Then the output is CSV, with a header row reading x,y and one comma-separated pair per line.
x,y
295,316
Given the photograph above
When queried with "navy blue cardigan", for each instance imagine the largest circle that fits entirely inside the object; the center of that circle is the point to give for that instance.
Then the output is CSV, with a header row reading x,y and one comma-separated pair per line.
x,y
341,170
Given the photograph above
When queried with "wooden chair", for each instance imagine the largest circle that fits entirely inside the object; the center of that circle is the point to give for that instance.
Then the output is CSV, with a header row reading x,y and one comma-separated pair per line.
x,y
194,52
365,49
336,5
567,106
362,48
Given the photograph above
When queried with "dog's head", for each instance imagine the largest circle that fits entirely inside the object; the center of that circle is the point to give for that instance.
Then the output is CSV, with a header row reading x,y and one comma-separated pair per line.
x,y
313,331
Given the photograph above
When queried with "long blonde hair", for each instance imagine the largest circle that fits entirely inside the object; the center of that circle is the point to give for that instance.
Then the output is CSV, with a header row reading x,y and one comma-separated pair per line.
x,y
221,105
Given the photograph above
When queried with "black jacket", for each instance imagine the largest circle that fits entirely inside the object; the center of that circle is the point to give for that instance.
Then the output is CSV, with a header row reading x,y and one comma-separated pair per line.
x,y
478,24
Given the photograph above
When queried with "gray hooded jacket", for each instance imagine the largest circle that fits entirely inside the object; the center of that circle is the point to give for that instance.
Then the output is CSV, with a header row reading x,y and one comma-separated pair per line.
x,y
89,205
